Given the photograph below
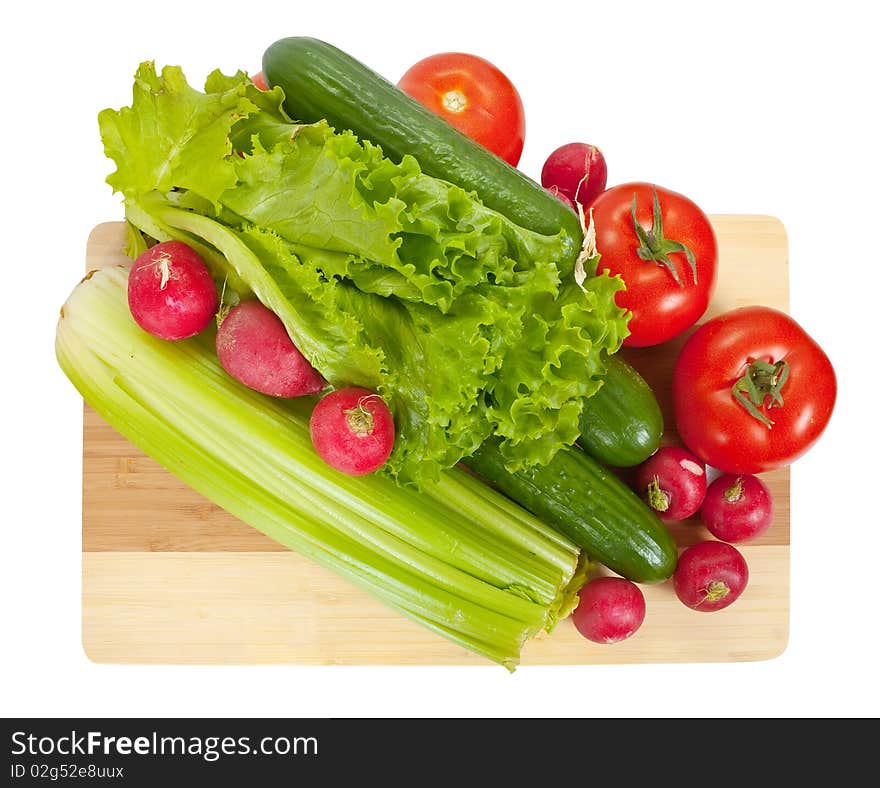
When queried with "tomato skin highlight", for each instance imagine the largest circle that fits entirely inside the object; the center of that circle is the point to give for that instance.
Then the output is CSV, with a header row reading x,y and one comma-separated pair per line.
x,y
474,96
661,308
717,427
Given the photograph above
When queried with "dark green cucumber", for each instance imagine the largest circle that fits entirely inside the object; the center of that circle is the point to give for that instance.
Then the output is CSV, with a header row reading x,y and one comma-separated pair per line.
x,y
321,81
622,423
588,503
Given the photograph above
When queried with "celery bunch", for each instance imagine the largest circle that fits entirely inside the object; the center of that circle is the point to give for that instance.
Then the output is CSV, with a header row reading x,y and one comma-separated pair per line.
x,y
457,557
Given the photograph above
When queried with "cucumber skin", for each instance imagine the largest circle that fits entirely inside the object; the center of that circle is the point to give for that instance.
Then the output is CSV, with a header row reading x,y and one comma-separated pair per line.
x,y
321,81
621,424
590,505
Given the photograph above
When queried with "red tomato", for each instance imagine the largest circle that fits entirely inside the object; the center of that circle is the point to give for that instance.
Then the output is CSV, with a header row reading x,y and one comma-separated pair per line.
x,y
667,257
260,81
474,96
752,391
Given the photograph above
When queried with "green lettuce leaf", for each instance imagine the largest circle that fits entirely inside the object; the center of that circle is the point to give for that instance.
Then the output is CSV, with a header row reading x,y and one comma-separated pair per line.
x,y
383,276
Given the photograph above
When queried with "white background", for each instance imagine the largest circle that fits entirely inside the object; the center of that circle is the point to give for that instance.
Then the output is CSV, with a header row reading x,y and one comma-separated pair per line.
x,y
753,107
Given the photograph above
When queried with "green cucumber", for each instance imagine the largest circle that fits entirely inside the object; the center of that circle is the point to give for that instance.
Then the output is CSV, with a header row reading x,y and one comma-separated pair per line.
x,y
321,81
589,504
622,423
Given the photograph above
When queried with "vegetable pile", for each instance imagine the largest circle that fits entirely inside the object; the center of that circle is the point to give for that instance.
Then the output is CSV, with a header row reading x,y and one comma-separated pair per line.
x,y
458,557
337,297
414,273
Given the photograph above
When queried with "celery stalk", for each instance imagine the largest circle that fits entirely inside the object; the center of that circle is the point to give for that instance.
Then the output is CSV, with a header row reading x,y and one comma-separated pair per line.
x,y
457,557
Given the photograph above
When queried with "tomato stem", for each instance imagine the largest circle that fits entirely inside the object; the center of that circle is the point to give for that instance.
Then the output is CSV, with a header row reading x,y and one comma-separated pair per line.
x,y
656,248
761,380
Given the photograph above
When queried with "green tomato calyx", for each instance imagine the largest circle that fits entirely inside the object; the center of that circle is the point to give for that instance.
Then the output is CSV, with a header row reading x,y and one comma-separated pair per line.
x,y
760,381
655,247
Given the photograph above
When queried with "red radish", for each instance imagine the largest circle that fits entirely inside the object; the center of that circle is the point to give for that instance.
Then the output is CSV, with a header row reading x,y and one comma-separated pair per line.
x,y
578,170
610,610
170,291
260,81
710,576
352,430
253,346
673,482
554,190
737,507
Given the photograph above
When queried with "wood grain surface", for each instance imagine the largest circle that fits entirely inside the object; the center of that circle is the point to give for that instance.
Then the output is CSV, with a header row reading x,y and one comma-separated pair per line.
x,y
168,577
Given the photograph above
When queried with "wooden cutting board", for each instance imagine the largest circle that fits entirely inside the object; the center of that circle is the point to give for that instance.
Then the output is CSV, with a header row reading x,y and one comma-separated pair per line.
x,y
170,578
